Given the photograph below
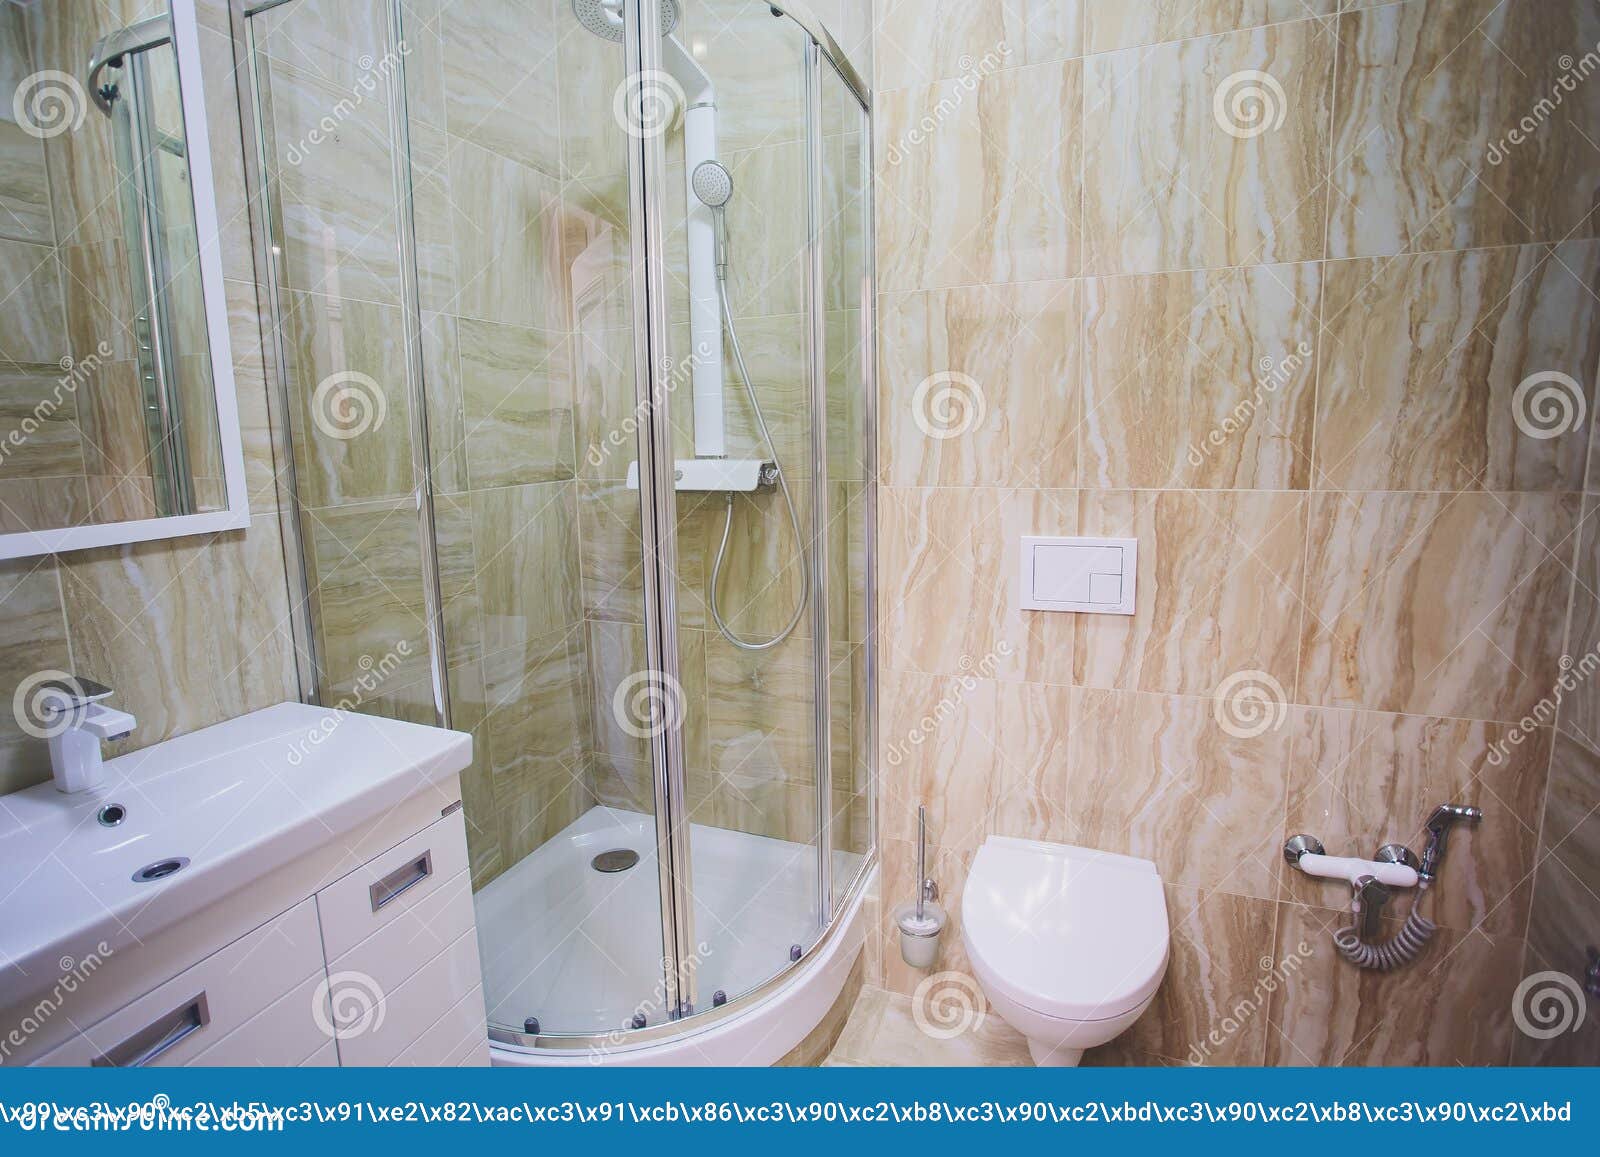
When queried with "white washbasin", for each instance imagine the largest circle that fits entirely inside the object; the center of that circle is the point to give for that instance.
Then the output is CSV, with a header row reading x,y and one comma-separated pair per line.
x,y
237,800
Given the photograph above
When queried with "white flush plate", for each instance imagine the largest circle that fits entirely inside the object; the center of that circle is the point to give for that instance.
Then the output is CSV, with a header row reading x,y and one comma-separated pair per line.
x,y
1093,576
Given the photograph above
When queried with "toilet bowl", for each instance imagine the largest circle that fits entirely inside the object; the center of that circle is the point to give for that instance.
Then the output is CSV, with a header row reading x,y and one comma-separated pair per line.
x,y
1069,944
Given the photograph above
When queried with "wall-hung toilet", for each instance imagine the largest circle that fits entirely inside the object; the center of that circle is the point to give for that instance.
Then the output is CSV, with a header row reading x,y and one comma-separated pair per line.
x,y
1069,944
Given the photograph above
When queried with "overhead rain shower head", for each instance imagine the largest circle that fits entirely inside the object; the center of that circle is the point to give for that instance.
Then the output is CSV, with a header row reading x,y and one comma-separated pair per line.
x,y
712,184
604,17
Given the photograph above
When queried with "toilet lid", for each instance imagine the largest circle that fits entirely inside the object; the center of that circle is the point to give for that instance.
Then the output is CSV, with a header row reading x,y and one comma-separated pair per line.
x,y
1068,932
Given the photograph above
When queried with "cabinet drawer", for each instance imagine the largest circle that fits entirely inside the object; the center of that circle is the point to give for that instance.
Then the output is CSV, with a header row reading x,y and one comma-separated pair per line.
x,y
389,887
280,1035
189,1014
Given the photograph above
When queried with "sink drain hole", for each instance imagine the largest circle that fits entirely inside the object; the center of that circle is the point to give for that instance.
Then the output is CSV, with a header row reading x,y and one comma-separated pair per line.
x,y
160,870
616,860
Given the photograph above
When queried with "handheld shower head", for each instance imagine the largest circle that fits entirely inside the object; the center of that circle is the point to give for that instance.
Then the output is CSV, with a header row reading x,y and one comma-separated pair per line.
x,y
604,17
712,184
1444,817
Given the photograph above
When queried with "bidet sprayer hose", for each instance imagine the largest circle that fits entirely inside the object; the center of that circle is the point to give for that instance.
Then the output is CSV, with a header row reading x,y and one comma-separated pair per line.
x,y
727,521
1400,949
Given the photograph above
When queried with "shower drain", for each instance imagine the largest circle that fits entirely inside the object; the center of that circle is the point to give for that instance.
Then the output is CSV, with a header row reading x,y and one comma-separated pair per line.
x,y
616,860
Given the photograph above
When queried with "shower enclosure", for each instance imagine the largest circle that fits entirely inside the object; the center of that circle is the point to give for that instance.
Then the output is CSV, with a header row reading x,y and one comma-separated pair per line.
x,y
569,306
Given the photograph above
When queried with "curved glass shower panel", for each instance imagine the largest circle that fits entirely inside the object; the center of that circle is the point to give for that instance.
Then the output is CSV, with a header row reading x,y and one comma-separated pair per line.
x,y
737,265
453,293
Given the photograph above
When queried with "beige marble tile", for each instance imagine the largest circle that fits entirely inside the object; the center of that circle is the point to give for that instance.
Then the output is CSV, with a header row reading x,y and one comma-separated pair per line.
x,y
1361,779
508,226
24,180
1218,590
617,660
1435,604
457,558
131,609
594,146
39,434
767,223
762,579
980,386
1113,24
251,389
323,37
35,640
32,327
499,67
953,608
747,52
433,215
527,548
1212,1006
1452,1006
44,503
111,417
1156,776
365,572
923,41
338,212
980,183
1579,694
1201,162
759,710
1201,379
1423,358
517,390
1579,1044
348,380
1429,95
885,1029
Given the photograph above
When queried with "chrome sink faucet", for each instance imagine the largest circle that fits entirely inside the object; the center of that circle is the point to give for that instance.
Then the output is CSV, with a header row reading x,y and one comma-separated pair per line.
x,y
76,722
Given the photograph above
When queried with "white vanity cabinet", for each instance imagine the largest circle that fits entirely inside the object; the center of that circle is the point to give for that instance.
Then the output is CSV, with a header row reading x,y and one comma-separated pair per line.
x,y
321,912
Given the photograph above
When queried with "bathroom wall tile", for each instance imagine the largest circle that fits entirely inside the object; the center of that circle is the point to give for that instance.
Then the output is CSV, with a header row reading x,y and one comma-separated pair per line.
x,y
1140,768
38,423
604,407
24,180
251,390
501,79
365,573
433,212
130,611
457,558
762,581
953,608
339,217
1211,1008
1424,357
44,503
1361,779
1579,1044
1579,695
1113,24
537,712
325,38
594,146
1571,824
1218,590
443,401
32,328
97,289
767,224
1397,619
980,385
111,413
508,240
1429,94
761,59
923,41
618,669
759,710
35,641
526,542
517,391
123,498
612,563
1198,161
1201,379
1453,1006
940,749
347,377
990,192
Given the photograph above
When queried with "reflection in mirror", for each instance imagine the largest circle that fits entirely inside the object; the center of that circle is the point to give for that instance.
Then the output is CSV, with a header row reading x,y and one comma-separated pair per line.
x,y
108,408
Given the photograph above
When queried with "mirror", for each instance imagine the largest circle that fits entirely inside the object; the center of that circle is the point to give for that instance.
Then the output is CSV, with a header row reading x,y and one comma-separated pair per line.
x,y
117,414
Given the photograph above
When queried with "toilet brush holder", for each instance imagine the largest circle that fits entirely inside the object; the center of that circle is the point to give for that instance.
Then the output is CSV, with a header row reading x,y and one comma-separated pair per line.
x,y
920,932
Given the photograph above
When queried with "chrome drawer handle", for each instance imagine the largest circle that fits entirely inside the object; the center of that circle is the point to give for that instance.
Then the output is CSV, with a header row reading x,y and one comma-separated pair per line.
x,y
156,1038
401,880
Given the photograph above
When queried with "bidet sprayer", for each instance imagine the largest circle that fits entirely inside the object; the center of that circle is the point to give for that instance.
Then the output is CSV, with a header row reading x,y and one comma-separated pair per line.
x,y
1444,817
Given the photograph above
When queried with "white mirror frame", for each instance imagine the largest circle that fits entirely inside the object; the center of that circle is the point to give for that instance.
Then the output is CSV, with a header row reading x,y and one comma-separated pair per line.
x,y
24,544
